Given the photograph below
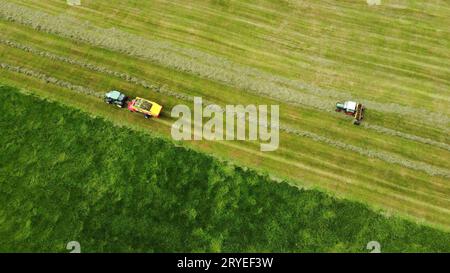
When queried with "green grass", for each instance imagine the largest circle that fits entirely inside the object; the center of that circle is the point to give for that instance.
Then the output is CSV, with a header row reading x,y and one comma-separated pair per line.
x,y
68,176
394,53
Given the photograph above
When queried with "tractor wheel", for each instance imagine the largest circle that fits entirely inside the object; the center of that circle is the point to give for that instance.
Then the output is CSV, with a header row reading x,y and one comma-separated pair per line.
x,y
147,116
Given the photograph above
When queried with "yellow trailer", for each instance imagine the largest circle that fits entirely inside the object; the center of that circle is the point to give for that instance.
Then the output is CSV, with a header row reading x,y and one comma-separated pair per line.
x,y
146,107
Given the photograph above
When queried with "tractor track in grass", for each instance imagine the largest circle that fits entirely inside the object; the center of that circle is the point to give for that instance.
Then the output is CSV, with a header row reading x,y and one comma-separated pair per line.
x,y
384,156
195,62
392,132
166,91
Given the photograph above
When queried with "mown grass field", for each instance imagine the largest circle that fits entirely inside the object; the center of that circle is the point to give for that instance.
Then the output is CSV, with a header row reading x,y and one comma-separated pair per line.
x,y
301,55
66,176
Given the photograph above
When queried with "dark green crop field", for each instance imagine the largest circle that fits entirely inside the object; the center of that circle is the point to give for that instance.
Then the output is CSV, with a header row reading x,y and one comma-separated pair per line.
x,y
66,176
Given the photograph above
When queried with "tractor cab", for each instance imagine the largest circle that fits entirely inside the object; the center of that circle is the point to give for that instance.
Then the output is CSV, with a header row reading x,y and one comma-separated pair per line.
x,y
348,107
117,98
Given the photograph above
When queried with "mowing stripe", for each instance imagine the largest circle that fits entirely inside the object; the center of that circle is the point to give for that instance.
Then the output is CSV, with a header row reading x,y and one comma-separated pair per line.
x,y
391,132
387,157
52,80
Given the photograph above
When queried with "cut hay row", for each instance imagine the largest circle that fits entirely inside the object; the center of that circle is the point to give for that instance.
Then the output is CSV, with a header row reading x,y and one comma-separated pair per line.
x,y
387,157
51,80
391,132
124,76
186,60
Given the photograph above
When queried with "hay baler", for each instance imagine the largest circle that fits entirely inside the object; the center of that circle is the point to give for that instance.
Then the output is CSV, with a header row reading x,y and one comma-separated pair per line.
x,y
146,107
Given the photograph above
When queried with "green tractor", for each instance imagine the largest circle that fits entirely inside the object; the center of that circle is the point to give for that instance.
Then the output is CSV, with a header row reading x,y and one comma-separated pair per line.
x,y
116,98
351,108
